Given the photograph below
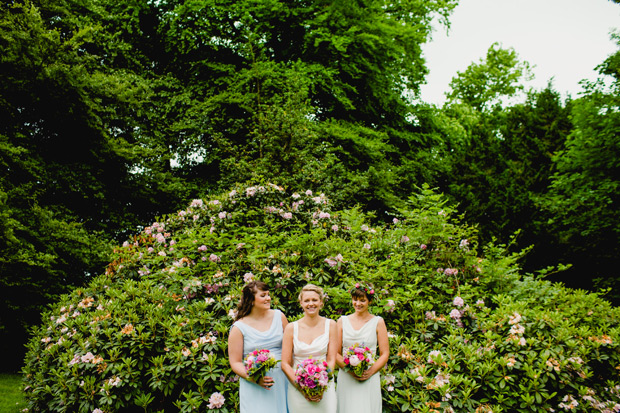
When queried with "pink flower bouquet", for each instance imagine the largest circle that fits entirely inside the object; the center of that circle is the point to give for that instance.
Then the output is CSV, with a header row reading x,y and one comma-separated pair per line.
x,y
313,376
258,363
358,359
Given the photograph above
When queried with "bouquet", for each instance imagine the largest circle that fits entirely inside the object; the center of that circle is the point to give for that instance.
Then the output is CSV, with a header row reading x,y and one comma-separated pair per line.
x,y
258,363
313,376
358,359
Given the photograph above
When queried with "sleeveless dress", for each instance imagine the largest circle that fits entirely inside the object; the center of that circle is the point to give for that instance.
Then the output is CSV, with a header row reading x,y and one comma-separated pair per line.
x,y
254,398
359,396
297,403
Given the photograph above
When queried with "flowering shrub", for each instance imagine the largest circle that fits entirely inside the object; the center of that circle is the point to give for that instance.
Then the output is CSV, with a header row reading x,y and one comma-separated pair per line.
x,y
467,331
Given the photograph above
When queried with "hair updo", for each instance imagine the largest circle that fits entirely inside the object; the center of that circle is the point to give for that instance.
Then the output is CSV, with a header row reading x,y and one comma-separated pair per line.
x,y
312,288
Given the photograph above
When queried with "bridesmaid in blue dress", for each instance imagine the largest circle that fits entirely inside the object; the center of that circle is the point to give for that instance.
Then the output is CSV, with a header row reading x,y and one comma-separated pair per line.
x,y
257,327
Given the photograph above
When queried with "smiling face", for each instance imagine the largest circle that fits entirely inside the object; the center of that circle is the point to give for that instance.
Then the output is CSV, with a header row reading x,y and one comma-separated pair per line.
x,y
360,303
262,300
311,302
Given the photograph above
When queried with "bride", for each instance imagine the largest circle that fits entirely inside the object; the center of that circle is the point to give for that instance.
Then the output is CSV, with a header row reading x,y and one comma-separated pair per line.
x,y
311,336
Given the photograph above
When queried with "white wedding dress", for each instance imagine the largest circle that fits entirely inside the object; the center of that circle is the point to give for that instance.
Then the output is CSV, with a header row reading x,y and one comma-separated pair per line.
x,y
297,403
359,396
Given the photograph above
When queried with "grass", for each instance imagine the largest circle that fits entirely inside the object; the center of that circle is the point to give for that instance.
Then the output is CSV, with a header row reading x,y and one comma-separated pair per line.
x,y
11,397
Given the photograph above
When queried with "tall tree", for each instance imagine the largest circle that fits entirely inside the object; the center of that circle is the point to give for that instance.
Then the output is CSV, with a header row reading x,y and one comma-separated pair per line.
x,y
499,154
584,193
483,85
70,177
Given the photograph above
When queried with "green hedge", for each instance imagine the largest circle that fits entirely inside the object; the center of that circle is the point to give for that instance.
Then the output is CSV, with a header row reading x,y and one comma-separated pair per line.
x,y
467,331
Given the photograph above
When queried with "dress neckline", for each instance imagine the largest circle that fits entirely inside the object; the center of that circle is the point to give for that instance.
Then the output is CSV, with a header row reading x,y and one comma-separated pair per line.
x,y
315,339
363,325
275,313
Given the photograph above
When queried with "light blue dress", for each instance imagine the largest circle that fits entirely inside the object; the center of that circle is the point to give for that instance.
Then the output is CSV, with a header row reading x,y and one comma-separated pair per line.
x,y
254,398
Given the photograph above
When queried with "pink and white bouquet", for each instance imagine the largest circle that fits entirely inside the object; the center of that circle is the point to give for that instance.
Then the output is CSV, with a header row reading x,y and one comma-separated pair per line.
x,y
358,359
313,376
258,363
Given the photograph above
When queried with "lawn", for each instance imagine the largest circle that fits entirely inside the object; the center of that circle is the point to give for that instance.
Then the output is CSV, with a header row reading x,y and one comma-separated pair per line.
x,y
11,399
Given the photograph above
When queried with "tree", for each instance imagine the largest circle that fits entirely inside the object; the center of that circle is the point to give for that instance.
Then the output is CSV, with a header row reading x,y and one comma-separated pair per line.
x,y
499,156
70,178
483,85
583,195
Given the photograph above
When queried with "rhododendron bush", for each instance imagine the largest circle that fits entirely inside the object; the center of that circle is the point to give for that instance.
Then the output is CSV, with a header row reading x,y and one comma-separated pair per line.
x,y
467,331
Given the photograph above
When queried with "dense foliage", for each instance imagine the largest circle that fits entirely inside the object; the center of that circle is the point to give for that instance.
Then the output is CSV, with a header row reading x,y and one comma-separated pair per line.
x,y
467,331
113,113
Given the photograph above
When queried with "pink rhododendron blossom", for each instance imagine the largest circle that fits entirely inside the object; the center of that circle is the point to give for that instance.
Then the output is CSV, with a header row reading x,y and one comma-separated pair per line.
x,y
287,215
331,262
458,301
434,356
514,318
423,247
86,358
216,401
364,227
367,246
247,277
309,192
214,258
335,228
455,314
404,239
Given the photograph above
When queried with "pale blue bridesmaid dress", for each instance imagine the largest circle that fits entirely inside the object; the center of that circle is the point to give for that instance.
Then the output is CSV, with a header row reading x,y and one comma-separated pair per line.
x,y
254,398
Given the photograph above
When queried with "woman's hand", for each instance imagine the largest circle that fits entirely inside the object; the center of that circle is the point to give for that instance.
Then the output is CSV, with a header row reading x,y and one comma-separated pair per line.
x,y
311,398
266,382
365,375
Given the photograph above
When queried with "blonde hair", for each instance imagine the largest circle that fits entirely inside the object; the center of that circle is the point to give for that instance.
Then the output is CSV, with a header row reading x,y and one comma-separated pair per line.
x,y
311,288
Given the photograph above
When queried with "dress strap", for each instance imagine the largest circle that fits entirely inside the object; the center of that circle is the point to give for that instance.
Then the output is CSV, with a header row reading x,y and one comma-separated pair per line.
x,y
295,330
326,326
277,320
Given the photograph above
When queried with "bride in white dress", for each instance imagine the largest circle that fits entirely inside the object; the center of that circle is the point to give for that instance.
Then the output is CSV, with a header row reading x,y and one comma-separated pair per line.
x,y
311,336
361,394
